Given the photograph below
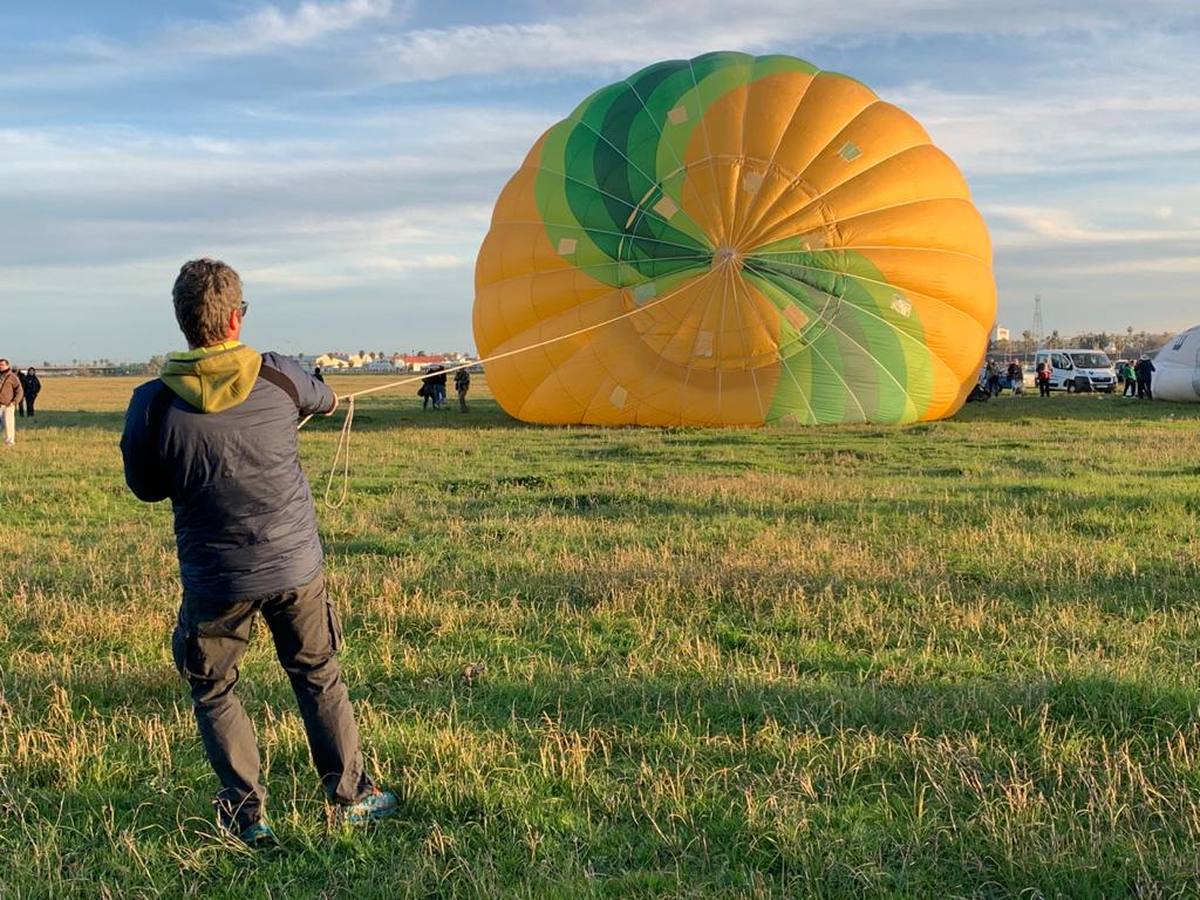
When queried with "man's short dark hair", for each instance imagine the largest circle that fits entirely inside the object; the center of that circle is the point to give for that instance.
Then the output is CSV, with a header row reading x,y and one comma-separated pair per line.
x,y
205,293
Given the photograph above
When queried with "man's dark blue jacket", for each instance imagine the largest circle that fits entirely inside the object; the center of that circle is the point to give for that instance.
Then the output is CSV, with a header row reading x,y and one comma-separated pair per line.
x,y
217,435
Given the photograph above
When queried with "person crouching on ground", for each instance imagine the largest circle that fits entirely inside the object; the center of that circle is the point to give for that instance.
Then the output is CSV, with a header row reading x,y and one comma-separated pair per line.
x,y
12,393
216,433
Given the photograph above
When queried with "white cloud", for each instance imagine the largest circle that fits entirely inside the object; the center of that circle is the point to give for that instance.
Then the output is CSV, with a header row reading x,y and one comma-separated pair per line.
x,y
1038,225
84,59
1062,121
269,26
639,32
613,37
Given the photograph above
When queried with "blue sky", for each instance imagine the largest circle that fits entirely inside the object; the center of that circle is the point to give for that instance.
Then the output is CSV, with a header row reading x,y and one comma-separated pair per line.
x,y
344,155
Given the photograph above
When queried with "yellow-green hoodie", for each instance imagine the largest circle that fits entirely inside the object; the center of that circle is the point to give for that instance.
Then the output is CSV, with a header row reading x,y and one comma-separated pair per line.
x,y
214,378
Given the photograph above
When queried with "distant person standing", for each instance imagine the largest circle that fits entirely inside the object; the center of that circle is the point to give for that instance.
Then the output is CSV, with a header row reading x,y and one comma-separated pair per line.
x,y
1016,378
11,394
33,387
428,392
25,388
1145,377
317,374
993,377
1042,377
439,384
462,384
1129,378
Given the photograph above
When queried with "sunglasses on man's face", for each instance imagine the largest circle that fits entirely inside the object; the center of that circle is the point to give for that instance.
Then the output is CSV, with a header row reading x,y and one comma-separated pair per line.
x,y
242,309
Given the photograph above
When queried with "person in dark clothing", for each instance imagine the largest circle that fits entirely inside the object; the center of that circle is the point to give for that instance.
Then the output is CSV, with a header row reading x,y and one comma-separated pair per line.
x,y
993,378
317,374
428,391
33,387
21,402
1145,377
462,384
439,384
216,434
1042,376
1016,378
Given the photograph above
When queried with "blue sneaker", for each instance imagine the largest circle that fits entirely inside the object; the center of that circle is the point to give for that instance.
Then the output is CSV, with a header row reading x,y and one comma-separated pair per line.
x,y
259,835
371,808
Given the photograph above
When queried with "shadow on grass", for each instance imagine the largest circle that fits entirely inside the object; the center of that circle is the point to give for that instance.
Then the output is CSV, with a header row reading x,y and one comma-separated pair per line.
x,y
840,697
842,694
1075,408
75,418
372,416
674,731
484,414
377,415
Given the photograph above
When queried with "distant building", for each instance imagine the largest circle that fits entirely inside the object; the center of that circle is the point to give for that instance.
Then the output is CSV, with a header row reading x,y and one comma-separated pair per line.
x,y
1001,334
329,361
419,363
382,362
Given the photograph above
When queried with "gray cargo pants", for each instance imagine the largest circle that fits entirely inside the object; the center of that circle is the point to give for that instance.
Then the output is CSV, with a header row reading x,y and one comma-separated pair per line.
x,y
209,641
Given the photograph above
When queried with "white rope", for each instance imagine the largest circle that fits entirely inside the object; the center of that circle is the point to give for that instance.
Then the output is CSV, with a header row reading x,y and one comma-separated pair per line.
x,y
342,451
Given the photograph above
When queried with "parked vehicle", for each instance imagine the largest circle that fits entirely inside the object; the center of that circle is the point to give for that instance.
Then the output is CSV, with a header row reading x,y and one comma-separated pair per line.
x,y
1079,370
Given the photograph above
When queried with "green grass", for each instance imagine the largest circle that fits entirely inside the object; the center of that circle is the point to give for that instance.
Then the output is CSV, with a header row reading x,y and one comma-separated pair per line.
x,y
957,659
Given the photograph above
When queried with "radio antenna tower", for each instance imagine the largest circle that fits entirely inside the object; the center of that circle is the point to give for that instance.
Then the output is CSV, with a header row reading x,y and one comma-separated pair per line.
x,y
1039,330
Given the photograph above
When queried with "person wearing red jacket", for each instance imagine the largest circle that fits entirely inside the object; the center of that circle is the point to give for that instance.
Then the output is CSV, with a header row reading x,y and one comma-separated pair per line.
x,y
1043,379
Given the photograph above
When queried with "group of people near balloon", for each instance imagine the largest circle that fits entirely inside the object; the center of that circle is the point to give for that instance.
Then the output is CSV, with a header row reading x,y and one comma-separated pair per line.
x,y
1137,376
1013,378
433,388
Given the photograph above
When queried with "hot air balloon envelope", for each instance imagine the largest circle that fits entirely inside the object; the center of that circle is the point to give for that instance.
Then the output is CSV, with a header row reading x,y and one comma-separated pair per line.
x,y
734,240
1177,368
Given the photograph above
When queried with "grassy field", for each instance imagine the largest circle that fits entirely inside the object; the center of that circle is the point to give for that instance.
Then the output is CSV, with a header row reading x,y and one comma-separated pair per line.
x,y
953,660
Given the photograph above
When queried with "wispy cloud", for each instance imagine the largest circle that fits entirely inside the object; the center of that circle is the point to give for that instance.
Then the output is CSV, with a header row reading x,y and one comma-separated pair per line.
x,y
1061,124
270,26
258,30
1041,224
606,38
83,58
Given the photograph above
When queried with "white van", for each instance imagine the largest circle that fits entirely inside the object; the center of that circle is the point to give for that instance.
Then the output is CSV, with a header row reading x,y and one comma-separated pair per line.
x,y
1072,370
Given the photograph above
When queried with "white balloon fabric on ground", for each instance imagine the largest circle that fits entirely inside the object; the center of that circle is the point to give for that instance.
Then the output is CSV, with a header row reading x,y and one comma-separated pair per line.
x,y
1177,368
